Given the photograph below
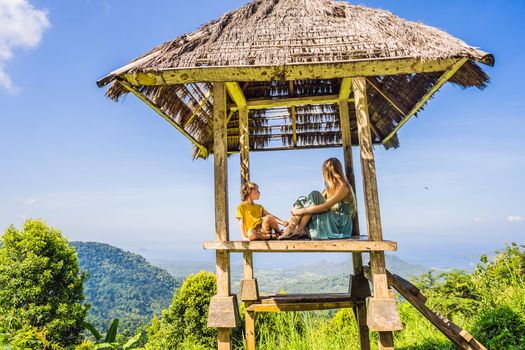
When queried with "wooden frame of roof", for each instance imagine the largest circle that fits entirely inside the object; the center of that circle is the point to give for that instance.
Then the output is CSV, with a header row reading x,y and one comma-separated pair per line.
x,y
358,68
367,68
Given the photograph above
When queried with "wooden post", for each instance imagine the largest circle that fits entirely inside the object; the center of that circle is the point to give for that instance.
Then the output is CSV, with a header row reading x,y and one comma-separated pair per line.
x,y
359,286
249,290
385,317
250,317
223,313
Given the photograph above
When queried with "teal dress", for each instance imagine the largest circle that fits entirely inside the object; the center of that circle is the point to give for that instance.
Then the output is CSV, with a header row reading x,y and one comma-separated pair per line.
x,y
335,223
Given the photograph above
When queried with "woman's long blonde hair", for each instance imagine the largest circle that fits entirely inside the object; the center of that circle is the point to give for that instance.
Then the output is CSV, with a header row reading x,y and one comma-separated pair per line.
x,y
246,188
334,177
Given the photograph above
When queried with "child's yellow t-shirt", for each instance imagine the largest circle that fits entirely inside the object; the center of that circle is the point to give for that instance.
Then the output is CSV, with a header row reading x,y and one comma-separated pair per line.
x,y
251,214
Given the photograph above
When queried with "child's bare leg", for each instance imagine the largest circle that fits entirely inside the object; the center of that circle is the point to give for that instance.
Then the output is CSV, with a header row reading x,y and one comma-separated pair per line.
x,y
257,235
271,224
266,225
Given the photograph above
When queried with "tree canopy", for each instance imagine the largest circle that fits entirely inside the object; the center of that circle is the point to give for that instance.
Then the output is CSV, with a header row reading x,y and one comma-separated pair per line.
x,y
184,323
40,283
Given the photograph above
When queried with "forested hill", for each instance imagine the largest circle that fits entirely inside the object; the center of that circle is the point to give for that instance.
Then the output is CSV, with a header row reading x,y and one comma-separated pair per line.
x,y
123,285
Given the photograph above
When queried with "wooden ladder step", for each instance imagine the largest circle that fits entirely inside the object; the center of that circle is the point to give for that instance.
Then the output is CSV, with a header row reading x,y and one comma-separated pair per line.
x,y
302,302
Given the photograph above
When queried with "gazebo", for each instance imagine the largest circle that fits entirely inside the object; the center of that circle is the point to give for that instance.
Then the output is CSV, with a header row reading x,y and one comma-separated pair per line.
x,y
280,75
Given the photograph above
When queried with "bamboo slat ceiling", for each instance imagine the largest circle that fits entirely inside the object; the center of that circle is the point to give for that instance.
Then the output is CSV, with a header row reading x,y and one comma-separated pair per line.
x,y
296,48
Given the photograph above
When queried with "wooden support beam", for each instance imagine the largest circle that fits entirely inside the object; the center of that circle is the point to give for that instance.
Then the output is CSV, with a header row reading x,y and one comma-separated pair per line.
x,y
220,149
450,71
345,88
357,68
373,217
359,286
248,265
302,302
340,245
236,94
367,161
250,318
196,111
364,332
202,150
390,99
292,101
249,290
223,312
224,339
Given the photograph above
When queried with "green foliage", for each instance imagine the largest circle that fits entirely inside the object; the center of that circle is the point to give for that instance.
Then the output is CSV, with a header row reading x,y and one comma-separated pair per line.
x,y
501,329
111,340
122,285
185,321
41,290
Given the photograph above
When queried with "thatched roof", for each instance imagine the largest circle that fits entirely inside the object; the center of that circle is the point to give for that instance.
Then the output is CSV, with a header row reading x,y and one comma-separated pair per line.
x,y
292,33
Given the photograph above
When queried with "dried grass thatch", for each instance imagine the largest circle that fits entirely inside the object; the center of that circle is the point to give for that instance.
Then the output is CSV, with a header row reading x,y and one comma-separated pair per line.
x,y
286,32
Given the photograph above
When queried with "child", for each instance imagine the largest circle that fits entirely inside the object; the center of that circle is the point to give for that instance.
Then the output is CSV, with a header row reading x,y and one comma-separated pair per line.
x,y
254,221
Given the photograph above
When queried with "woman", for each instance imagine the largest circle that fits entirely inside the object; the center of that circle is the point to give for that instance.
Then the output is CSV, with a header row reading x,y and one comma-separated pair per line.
x,y
328,215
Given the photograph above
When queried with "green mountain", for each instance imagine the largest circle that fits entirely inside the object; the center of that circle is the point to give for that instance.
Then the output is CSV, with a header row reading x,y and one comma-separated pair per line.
x,y
321,277
123,285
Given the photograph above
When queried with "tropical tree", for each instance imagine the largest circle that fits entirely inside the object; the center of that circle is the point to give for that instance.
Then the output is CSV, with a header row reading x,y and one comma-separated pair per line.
x,y
40,283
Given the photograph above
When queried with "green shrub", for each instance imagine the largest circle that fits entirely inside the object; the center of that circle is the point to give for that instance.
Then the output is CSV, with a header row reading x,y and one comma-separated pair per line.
x,y
185,322
500,329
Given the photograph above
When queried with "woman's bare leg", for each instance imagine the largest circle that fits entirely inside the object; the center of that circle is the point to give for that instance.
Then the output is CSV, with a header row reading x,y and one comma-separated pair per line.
x,y
292,224
302,224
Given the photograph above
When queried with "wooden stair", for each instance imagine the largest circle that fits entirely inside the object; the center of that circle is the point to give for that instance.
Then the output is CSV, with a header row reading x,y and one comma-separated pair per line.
x,y
460,337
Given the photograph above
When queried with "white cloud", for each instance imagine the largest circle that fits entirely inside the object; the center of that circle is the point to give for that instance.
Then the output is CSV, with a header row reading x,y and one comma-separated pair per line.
x,y
480,220
30,201
513,218
22,27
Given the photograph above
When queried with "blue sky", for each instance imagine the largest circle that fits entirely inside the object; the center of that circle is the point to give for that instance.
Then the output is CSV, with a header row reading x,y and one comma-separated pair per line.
x,y
118,173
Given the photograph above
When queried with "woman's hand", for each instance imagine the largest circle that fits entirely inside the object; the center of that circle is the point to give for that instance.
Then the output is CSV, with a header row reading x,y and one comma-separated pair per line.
x,y
298,211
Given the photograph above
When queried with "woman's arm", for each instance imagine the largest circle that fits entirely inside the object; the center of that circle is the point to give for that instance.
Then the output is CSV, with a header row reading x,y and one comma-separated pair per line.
x,y
241,226
338,196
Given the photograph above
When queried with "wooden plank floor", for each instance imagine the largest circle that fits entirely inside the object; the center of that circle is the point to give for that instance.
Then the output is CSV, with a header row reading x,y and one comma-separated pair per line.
x,y
301,302
357,244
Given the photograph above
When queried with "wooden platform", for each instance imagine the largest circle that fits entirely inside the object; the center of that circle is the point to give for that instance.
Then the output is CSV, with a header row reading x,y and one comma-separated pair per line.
x,y
358,244
301,302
